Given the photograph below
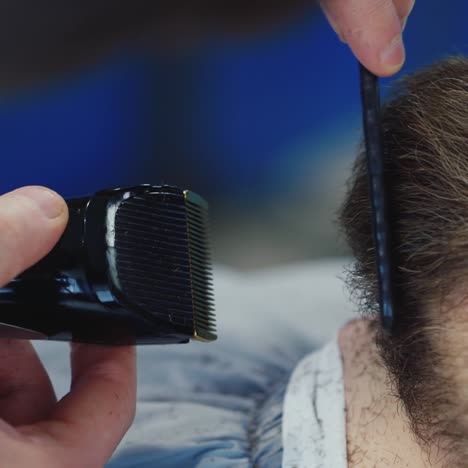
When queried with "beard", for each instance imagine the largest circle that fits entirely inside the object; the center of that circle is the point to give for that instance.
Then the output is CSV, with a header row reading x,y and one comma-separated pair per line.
x,y
428,369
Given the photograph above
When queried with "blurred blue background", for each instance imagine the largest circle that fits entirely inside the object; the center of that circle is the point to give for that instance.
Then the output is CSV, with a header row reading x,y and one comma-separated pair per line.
x,y
265,128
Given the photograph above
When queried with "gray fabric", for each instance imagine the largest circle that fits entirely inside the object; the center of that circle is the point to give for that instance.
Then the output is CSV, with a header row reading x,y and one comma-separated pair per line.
x,y
220,405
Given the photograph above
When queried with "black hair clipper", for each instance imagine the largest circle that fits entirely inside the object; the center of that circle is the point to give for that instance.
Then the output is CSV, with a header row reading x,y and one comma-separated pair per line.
x,y
133,267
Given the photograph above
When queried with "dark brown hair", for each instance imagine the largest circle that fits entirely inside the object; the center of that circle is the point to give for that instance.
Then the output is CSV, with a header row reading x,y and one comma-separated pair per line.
x,y
425,128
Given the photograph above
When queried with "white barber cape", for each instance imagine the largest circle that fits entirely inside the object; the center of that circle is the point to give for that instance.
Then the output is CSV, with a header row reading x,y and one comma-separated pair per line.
x,y
314,424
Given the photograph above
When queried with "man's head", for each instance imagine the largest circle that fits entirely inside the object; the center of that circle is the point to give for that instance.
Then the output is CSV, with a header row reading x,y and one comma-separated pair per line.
x,y
426,162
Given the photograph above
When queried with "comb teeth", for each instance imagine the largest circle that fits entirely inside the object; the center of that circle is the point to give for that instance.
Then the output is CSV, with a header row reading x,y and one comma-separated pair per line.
x,y
163,259
200,264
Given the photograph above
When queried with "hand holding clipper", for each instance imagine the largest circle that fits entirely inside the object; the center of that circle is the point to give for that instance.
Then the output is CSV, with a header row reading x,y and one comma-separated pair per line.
x,y
133,266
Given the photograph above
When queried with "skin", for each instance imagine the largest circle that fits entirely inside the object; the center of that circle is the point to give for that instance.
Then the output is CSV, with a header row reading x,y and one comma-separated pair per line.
x,y
373,29
377,428
84,427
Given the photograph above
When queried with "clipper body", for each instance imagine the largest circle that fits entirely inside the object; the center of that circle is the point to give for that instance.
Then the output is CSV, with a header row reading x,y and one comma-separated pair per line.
x,y
133,266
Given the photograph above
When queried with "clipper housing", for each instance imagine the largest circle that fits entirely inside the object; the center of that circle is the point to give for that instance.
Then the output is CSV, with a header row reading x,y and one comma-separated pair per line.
x,y
133,267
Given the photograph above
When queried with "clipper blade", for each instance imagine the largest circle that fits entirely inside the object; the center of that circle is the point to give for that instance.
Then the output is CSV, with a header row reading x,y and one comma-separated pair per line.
x,y
163,258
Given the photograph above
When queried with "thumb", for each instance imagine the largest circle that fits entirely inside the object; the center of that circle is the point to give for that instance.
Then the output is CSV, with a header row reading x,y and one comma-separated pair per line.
x,y
32,219
373,30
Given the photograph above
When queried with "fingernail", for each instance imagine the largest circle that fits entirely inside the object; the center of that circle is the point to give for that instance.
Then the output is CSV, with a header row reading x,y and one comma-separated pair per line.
x,y
49,202
393,55
403,23
341,37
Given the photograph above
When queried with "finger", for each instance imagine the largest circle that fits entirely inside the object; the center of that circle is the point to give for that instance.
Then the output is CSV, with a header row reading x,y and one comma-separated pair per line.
x,y
91,420
404,9
31,222
17,453
26,393
372,28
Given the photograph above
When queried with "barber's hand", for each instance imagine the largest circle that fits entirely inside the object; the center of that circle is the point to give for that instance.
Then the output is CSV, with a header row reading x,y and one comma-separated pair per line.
x,y
373,29
83,428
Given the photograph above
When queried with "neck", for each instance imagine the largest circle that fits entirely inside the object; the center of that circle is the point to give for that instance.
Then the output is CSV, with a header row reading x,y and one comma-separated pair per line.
x,y
378,431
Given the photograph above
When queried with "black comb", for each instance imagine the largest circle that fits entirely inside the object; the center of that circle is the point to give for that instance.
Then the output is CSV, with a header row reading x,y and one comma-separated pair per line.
x,y
133,266
378,192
